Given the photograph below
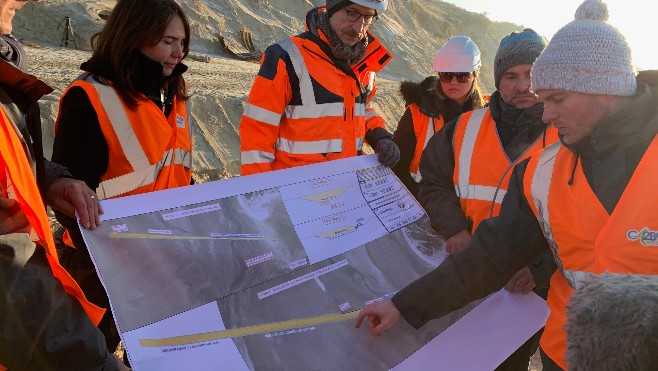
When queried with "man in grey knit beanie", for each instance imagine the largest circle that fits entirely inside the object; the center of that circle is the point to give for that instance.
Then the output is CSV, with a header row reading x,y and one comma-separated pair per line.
x,y
517,48
590,199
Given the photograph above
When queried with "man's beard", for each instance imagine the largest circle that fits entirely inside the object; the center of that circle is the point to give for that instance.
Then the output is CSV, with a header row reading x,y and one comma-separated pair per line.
x,y
350,54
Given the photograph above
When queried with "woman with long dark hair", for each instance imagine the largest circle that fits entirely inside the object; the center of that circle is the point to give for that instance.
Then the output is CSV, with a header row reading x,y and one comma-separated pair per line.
x,y
123,126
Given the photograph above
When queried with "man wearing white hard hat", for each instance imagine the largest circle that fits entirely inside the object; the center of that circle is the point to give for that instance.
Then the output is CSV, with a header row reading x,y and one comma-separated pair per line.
x,y
310,102
466,167
435,101
46,323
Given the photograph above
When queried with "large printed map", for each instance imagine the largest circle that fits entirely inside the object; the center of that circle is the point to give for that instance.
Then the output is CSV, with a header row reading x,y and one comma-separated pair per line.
x,y
266,272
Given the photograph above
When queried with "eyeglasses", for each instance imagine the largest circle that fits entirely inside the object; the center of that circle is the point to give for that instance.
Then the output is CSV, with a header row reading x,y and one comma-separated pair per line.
x,y
462,77
354,16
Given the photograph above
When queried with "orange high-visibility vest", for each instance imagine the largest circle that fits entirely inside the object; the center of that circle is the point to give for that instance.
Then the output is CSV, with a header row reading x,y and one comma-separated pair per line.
x,y
424,128
147,151
19,173
309,111
482,168
584,238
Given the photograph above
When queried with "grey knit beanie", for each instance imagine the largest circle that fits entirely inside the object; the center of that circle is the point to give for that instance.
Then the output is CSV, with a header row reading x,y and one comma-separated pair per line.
x,y
588,55
517,48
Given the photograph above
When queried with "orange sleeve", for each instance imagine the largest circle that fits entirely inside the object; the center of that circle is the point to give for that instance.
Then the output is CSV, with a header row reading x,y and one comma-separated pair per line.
x,y
266,103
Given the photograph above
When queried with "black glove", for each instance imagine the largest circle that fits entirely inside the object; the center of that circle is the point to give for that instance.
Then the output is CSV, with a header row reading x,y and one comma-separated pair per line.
x,y
388,152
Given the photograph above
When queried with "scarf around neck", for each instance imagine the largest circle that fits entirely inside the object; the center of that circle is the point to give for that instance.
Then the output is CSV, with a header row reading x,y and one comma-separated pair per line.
x,y
349,54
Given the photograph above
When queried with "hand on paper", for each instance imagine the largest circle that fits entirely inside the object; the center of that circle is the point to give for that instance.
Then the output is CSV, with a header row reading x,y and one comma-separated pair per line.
x,y
458,242
381,316
70,195
521,283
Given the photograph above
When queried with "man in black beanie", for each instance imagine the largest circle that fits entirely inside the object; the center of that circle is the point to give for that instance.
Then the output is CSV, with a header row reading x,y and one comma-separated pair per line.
x,y
310,101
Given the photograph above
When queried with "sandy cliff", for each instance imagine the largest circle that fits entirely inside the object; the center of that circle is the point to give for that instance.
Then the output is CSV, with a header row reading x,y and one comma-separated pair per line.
x,y
413,30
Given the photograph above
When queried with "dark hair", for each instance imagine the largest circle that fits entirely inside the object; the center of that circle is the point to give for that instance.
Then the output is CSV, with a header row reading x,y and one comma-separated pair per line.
x,y
132,25
475,94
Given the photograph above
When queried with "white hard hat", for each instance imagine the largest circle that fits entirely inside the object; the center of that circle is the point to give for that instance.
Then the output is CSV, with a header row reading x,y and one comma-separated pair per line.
x,y
373,4
459,54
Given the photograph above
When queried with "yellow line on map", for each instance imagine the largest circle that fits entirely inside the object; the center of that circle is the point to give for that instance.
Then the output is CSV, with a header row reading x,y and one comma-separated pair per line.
x,y
250,330
170,237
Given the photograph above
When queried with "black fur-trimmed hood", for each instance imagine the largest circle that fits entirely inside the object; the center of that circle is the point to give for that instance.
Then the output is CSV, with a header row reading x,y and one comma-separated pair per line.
x,y
423,94
413,92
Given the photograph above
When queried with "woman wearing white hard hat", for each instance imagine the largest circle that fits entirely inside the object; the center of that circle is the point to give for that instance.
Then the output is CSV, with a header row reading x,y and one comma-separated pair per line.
x,y
436,101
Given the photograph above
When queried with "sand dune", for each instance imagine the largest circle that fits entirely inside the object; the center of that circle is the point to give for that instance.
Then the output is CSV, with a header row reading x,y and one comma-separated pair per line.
x,y
411,29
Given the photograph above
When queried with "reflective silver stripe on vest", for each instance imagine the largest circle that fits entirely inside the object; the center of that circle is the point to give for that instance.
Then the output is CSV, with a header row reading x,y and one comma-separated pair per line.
x,y
359,144
131,181
430,132
130,145
366,110
305,82
256,157
466,154
541,183
143,172
482,193
310,147
262,115
315,111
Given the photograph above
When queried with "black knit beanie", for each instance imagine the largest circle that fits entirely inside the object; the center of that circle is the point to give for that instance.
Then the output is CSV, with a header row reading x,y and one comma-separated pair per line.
x,y
335,5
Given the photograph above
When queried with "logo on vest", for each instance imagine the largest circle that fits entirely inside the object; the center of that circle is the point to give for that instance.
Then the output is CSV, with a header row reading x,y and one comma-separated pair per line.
x,y
646,236
180,122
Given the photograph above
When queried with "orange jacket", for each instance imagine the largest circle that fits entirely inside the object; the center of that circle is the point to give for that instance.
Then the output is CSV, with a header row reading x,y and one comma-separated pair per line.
x,y
302,109
482,168
147,152
19,174
424,127
584,238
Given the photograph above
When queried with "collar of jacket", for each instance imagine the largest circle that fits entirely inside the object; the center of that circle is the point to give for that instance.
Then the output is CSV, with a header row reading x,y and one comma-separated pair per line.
x,y
429,103
148,78
23,88
635,123
311,26
12,51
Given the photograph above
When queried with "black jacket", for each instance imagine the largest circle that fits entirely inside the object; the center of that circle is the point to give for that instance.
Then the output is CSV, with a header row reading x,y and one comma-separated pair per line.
x,y
518,129
503,245
41,326
424,96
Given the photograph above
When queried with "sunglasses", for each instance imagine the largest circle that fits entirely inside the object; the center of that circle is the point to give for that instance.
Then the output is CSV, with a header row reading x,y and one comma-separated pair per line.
x,y
462,77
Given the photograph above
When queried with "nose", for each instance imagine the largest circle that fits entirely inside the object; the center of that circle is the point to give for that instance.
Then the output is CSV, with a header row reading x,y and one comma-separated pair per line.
x,y
549,114
177,51
360,25
523,83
